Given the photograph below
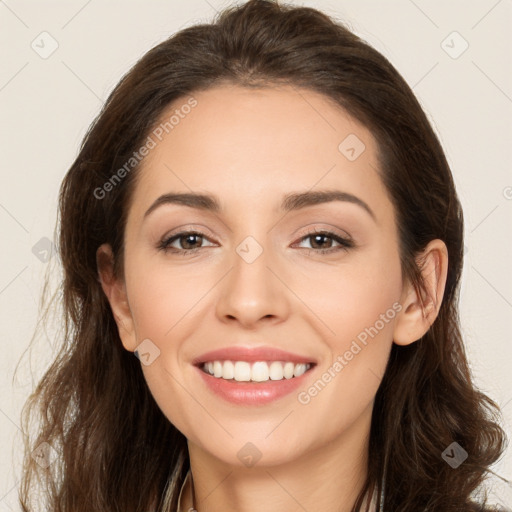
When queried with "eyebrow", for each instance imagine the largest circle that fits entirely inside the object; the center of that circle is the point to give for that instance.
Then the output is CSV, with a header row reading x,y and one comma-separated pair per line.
x,y
291,202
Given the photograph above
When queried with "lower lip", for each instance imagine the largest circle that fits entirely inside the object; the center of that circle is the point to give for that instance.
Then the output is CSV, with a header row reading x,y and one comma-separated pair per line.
x,y
252,393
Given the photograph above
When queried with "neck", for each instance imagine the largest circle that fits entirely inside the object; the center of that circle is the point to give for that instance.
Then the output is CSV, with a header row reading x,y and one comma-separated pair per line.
x,y
327,478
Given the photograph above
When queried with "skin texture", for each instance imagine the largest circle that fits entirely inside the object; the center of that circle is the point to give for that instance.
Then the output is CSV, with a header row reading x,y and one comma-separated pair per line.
x,y
250,148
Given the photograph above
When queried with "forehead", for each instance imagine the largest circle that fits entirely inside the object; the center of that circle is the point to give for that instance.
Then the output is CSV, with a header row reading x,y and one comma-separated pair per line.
x,y
256,144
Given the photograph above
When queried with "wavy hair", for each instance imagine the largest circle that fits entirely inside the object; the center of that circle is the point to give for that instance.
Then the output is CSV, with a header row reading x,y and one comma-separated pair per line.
x,y
116,449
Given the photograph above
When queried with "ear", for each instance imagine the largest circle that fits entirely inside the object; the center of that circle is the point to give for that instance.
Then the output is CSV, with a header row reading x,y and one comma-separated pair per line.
x,y
420,308
115,290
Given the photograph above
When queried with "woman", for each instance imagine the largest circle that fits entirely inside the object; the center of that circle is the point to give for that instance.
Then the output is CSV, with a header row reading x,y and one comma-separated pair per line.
x,y
269,375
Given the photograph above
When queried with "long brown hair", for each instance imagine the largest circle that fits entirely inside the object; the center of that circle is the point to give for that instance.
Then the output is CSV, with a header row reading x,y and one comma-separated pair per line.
x,y
116,449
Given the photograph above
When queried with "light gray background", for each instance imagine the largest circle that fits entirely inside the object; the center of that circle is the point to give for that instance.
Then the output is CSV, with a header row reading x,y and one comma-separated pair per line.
x,y
47,104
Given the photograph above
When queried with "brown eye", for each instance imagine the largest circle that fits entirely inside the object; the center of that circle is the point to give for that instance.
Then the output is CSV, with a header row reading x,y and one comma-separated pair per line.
x,y
319,240
183,243
189,240
322,242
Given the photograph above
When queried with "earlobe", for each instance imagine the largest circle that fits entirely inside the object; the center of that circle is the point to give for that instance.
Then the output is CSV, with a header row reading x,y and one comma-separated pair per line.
x,y
115,290
420,307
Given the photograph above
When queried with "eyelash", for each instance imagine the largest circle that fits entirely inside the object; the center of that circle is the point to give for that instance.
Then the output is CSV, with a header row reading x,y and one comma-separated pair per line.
x,y
345,243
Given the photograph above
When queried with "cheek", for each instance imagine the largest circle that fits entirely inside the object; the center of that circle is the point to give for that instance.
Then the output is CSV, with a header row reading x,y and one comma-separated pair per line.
x,y
369,303
354,297
358,304
165,298
361,314
165,302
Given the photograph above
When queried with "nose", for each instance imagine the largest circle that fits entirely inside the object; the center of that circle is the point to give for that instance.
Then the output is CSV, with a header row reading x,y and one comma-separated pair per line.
x,y
253,291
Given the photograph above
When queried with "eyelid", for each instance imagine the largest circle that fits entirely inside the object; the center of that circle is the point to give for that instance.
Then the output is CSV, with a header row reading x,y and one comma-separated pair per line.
x,y
185,228
306,230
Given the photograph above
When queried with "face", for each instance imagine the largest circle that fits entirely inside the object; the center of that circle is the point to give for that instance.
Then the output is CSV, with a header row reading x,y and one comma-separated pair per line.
x,y
317,278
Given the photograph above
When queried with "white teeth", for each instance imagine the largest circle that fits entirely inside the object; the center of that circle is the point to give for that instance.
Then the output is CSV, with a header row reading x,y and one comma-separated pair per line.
x,y
242,371
276,371
288,370
299,370
228,371
259,371
217,369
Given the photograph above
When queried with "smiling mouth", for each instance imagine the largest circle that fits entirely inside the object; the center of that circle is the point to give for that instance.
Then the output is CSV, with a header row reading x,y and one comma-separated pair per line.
x,y
258,371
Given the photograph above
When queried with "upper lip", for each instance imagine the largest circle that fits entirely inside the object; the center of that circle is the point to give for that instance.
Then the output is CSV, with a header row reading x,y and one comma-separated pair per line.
x,y
239,353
